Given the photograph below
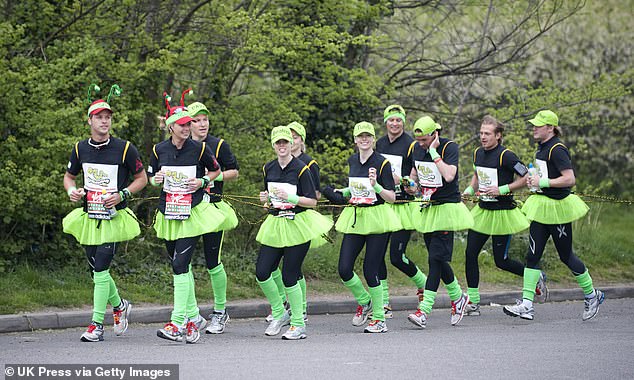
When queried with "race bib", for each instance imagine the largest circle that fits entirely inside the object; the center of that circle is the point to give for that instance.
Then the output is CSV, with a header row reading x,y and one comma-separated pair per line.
x,y
487,177
178,206
99,181
95,205
177,178
279,203
428,174
361,192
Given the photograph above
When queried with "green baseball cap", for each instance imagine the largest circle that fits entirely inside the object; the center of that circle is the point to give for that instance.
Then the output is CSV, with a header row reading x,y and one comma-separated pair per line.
x,y
545,117
426,125
281,132
299,129
196,108
393,110
363,127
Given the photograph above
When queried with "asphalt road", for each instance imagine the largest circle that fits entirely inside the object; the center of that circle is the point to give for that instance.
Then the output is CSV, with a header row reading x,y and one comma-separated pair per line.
x,y
556,345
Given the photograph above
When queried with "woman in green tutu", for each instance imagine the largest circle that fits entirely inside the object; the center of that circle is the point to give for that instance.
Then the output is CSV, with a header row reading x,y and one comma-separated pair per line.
x,y
286,233
435,169
105,220
496,215
551,212
184,168
367,221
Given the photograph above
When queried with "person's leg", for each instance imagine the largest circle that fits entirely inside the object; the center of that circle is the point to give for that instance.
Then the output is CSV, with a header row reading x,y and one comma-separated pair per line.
x,y
184,294
351,246
475,242
215,268
267,261
293,260
374,256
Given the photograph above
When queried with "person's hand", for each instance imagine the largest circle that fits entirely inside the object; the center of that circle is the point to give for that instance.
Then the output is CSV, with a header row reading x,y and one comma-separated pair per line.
x,y
490,190
264,196
77,194
111,200
436,143
194,184
283,195
372,176
159,177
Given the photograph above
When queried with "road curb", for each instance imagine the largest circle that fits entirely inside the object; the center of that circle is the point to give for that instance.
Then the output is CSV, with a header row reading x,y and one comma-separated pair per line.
x,y
156,314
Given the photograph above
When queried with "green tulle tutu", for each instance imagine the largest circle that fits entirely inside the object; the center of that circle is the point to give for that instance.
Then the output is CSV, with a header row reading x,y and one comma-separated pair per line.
x,y
88,231
498,222
204,219
546,210
282,232
443,217
368,220
405,213
231,220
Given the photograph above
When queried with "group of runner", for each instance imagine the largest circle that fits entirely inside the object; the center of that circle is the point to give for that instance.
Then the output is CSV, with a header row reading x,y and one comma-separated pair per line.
x,y
397,184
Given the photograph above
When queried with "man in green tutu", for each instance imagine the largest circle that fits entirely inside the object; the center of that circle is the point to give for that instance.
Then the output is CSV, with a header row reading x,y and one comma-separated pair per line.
x,y
104,220
551,212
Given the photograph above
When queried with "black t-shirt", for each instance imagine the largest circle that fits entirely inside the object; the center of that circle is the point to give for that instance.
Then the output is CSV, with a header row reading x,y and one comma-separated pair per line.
x,y
295,173
383,171
120,153
313,166
226,160
506,164
193,153
448,192
557,159
402,146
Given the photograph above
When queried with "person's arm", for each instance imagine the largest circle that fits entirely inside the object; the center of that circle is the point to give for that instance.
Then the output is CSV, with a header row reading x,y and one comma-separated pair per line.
x,y
70,186
388,195
447,170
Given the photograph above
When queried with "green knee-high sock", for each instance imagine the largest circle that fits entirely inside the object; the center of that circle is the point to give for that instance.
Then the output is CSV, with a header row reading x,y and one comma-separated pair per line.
x,y
269,288
182,283
376,294
294,296
192,304
302,285
277,277
100,294
219,285
428,301
419,279
113,294
474,295
454,290
386,292
357,289
531,277
585,282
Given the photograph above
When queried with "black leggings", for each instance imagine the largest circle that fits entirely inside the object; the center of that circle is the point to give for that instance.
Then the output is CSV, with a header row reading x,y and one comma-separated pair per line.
x,y
180,253
212,242
351,246
100,256
439,247
269,259
398,245
562,237
501,243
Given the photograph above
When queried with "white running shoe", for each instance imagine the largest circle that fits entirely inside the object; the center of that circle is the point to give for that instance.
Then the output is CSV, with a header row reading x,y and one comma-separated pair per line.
x,y
193,335
218,322
94,333
419,318
591,305
541,290
120,315
362,314
387,309
170,332
458,308
473,309
295,333
276,324
376,326
200,322
519,310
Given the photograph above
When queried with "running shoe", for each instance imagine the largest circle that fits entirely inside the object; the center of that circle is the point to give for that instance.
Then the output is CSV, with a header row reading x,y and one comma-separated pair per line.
x,y
276,324
170,332
473,309
120,315
458,308
541,290
200,322
520,310
193,335
362,314
269,318
418,318
591,305
94,333
218,322
376,326
295,333
387,309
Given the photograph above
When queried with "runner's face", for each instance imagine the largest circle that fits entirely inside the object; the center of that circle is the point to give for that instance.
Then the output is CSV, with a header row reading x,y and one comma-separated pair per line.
x,y
297,143
200,126
282,148
488,137
542,133
394,125
181,132
364,141
425,140
100,123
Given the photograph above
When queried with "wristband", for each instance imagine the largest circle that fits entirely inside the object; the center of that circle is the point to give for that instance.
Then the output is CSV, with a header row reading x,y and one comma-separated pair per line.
x,y
469,190
153,182
434,154
544,182
346,192
219,178
127,193
504,189
204,181
122,195
377,188
70,190
293,198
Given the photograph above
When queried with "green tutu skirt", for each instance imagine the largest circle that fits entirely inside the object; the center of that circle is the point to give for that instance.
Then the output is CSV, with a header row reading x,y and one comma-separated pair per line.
x,y
405,213
498,222
444,217
231,220
546,210
88,231
282,232
204,218
368,220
